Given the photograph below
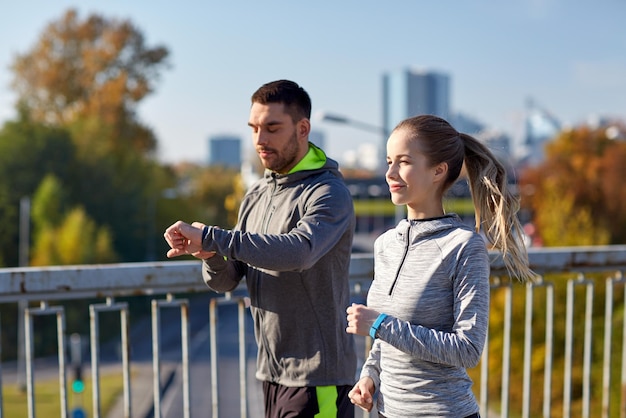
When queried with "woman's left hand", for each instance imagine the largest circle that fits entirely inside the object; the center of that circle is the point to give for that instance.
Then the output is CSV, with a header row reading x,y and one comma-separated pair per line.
x,y
360,319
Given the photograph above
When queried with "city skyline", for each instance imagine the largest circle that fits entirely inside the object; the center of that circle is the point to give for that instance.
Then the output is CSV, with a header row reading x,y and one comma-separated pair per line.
x,y
567,56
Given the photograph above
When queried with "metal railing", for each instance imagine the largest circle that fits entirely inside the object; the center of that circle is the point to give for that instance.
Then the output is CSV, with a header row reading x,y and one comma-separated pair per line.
x,y
591,276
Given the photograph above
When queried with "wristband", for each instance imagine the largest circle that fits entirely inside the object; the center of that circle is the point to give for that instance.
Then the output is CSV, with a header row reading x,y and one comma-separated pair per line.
x,y
376,324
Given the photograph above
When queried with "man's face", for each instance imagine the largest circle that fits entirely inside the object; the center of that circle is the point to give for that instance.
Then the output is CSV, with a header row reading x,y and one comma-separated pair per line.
x,y
277,139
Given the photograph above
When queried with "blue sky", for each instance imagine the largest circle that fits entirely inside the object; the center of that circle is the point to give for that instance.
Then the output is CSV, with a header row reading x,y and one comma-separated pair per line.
x,y
568,55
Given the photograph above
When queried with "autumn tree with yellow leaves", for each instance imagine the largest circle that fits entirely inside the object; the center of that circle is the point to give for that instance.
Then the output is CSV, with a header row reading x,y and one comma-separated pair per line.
x,y
66,235
78,90
577,195
90,74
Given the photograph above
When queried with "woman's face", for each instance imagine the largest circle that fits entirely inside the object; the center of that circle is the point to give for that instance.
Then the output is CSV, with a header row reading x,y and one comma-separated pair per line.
x,y
411,178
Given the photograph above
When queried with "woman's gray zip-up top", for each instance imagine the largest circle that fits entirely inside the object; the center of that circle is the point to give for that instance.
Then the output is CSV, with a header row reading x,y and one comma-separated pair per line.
x,y
431,277
293,242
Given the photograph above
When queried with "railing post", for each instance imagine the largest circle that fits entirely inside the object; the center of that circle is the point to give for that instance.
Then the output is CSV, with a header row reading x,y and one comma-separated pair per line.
x,y
506,348
94,311
484,379
569,341
1,398
528,344
156,360
183,304
608,340
213,342
588,349
622,405
549,338
498,284
528,348
243,387
608,336
44,309
242,304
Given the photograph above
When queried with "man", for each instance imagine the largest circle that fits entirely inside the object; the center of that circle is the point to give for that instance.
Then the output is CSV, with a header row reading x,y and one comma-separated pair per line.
x,y
292,242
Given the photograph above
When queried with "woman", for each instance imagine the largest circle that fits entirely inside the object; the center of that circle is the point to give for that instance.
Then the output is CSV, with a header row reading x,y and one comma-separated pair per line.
x,y
428,306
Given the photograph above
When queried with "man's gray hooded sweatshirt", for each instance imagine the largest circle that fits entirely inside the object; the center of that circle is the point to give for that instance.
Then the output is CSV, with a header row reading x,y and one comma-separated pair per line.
x,y
293,242
431,277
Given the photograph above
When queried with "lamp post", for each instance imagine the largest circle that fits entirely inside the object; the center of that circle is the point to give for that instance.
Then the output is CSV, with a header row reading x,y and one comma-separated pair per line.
x,y
331,117
22,304
364,126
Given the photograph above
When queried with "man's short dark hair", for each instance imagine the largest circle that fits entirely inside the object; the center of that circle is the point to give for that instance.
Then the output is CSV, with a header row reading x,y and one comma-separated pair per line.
x,y
295,99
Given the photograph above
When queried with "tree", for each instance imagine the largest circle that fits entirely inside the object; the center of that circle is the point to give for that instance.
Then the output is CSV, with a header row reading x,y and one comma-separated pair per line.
x,y
613,172
565,224
65,237
91,74
78,240
577,194
28,151
114,191
233,200
208,190
87,77
48,204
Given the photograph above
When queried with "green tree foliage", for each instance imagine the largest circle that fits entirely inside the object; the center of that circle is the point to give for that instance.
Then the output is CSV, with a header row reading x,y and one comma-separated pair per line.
x,y
65,237
28,151
233,200
207,190
78,240
78,89
87,77
48,205
117,192
576,195
91,74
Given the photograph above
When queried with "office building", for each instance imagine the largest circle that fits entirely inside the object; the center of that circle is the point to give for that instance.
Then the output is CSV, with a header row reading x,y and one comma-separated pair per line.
x,y
466,124
540,127
498,142
225,151
411,92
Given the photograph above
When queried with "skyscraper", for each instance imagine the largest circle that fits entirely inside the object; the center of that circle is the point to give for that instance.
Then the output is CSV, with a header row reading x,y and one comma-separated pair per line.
x,y
410,92
540,126
225,150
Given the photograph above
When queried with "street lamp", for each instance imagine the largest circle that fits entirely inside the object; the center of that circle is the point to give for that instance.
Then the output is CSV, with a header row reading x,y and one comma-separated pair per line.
x,y
364,126
332,117
22,304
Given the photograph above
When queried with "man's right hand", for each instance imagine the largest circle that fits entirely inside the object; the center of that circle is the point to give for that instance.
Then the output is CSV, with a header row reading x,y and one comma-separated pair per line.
x,y
184,238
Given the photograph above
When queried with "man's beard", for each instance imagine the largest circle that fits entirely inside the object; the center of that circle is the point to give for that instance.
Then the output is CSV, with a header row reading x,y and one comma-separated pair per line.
x,y
283,158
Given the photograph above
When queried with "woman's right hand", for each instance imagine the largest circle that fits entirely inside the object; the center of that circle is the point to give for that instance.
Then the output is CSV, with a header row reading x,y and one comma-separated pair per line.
x,y
362,394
